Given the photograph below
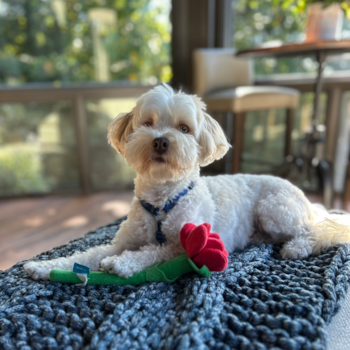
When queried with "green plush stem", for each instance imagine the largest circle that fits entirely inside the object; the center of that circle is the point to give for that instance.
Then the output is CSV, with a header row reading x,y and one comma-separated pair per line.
x,y
168,271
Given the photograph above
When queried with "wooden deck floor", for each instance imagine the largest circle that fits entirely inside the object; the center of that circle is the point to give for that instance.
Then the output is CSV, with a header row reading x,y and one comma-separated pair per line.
x,y
30,226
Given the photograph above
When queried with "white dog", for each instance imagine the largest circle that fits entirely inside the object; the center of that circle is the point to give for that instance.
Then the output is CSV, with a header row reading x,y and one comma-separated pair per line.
x,y
166,138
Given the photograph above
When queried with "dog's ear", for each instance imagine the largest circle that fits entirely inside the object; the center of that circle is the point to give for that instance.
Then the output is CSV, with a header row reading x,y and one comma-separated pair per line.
x,y
212,140
119,130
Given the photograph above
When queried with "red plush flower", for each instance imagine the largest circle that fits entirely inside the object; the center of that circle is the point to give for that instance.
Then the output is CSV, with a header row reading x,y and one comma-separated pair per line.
x,y
203,247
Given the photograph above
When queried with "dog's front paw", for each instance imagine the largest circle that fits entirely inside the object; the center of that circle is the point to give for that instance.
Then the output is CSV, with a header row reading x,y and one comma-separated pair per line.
x,y
38,270
117,266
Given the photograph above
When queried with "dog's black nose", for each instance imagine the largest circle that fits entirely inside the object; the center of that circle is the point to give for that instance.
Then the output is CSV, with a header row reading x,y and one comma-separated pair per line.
x,y
161,144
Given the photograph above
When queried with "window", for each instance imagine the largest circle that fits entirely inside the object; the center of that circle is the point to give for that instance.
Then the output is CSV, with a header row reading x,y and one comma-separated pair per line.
x,y
264,134
122,45
257,22
37,148
108,169
69,41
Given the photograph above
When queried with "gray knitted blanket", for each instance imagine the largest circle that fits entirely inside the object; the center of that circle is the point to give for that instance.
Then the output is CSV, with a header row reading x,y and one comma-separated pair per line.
x,y
258,302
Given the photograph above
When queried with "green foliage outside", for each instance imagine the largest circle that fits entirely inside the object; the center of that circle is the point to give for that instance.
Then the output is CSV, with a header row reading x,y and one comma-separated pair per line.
x,y
72,41
64,40
108,169
21,172
37,148
300,5
257,22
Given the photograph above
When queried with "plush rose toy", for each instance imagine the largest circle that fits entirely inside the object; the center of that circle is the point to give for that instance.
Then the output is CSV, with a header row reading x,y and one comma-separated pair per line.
x,y
205,252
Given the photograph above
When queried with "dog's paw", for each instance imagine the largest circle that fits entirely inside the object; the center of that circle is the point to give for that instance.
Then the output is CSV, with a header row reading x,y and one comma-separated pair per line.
x,y
37,270
295,251
117,266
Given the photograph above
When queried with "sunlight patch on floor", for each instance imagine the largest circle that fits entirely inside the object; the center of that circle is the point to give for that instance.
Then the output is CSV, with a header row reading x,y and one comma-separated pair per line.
x,y
36,221
117,208
76,221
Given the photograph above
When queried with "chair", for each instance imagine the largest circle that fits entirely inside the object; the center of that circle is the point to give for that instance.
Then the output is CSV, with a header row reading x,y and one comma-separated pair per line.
x,y
225,84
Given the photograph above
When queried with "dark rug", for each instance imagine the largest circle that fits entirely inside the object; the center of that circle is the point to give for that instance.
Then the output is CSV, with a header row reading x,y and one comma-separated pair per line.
x,y
258,302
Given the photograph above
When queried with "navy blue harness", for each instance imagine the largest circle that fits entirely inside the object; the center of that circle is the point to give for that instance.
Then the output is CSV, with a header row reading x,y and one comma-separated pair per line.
x,y
168,206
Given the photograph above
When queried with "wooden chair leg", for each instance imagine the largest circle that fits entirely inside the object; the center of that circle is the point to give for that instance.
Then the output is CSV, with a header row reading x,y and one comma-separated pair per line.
x,y
238,135
288,134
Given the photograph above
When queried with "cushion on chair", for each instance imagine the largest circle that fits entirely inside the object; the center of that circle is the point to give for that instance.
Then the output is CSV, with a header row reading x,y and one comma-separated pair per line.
x,y
218,68
250,98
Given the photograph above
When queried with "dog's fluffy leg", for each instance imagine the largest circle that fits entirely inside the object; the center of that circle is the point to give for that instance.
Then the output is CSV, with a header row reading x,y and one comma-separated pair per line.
x,y
130,262
329,229
299,247
324,230
91,258
40,270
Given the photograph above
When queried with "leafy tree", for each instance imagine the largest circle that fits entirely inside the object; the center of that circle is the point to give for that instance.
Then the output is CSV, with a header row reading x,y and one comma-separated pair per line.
x,y
69,41
257,22
53,40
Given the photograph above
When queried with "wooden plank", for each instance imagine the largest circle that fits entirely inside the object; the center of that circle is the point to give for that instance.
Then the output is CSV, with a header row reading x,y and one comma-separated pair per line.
x,y
10,209
78,212
23,241
32,226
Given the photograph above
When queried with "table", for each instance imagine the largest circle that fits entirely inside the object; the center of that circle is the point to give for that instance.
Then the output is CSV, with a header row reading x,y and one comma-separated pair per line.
x,y
321,49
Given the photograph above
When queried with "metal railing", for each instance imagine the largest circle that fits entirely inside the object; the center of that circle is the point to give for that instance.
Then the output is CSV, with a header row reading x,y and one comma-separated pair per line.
x,y
77,95
334,86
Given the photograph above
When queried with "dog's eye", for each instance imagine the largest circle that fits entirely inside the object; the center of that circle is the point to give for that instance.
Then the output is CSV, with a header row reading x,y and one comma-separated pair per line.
x,y
183,128
147,124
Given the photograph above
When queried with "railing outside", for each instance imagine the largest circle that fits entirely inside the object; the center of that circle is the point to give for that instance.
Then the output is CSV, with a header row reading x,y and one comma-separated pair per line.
x,y
77,96
337,121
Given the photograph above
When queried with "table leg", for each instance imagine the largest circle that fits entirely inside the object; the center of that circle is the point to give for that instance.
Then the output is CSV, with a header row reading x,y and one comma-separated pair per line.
x,y
318,89
325,175
238,134
323,166
288,132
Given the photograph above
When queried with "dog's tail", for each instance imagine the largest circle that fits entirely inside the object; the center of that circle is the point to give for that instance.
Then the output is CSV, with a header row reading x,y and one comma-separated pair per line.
x,y
330,228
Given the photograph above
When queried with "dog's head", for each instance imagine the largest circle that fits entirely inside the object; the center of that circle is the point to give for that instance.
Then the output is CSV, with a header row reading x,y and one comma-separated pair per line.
x,y
167,135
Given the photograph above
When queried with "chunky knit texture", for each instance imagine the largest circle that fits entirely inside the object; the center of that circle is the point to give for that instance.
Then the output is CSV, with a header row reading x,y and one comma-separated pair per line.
x,y
258,302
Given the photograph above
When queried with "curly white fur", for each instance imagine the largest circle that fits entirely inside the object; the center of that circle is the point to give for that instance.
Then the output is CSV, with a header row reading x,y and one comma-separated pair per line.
x,y
241,208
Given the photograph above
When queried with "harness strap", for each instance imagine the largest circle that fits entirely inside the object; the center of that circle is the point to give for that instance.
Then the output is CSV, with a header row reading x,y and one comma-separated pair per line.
x,y
168,206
